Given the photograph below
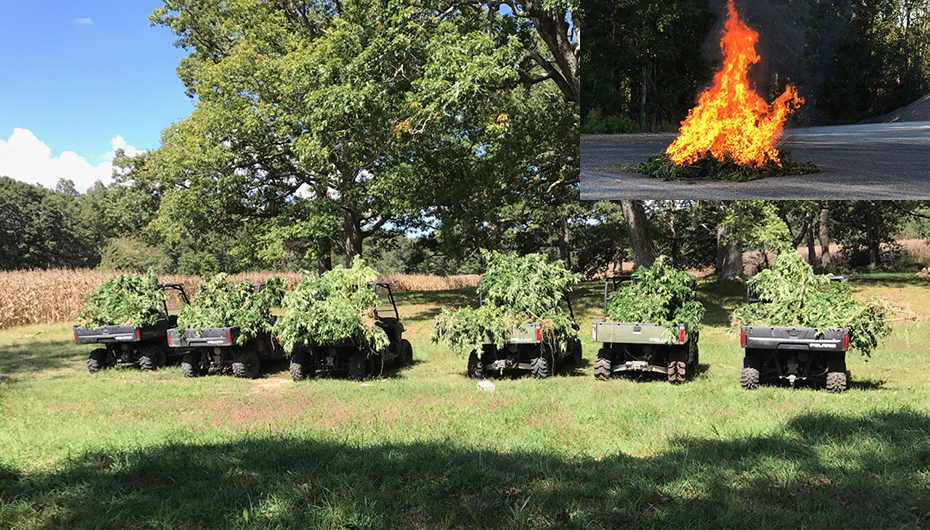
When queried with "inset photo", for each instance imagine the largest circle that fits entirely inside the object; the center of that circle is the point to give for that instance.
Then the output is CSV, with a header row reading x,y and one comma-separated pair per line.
x,y
785,99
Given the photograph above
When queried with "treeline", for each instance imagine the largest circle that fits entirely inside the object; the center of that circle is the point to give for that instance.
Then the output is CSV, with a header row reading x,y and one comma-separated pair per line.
x,y
118,227
645,61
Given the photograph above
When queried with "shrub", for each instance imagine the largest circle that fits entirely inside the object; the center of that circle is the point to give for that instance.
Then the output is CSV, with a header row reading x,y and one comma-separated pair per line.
x,y
124,299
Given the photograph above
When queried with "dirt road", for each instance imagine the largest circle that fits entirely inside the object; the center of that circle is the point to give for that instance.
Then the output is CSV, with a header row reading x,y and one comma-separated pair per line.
x,y
874,161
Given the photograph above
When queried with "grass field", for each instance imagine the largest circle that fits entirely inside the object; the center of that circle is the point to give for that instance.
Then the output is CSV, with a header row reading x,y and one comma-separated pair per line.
x,y
423,448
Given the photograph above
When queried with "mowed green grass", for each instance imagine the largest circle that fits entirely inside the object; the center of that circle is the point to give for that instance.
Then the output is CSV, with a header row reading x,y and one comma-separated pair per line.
x,y
423,448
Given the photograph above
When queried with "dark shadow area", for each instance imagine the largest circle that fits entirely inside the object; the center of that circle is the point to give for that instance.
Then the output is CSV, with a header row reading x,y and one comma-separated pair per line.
x,y
719,300
30,356
890,279
866,384
819,471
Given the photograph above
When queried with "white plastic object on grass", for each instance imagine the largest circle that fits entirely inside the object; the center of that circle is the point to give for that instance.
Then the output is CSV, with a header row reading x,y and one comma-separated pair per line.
x,y
486,385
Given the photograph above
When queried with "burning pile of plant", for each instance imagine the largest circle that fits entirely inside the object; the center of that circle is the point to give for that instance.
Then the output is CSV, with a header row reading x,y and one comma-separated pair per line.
x,y
660,293
731,133
332,309
515,290
219,304
792,294
124,299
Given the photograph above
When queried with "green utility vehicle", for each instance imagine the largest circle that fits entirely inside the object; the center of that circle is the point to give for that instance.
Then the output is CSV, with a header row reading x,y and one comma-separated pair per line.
x,y
352,359
642,346
144,346
525,351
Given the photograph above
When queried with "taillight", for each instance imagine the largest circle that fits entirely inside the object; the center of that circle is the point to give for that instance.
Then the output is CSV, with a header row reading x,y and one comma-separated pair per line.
x,y
229,336
742,338
138,334
593,331
681,334
75,337
846,342
538,334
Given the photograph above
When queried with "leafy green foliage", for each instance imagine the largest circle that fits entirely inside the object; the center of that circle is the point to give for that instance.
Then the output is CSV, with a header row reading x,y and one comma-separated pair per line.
x,y
709,168
333,309
124,299
799,297
662,294
220,304
515,290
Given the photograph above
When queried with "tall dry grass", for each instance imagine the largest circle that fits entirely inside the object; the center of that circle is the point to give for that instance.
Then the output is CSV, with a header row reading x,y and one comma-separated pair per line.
x,y
57,295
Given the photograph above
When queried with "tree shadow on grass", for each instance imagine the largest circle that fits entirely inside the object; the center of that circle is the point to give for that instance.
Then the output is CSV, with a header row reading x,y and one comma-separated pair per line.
x,y
818,471
29,356
719,300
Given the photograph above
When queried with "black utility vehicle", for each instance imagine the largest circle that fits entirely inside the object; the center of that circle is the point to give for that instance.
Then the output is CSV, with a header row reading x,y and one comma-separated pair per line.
x,y
794,354
219,348
144,346
352,359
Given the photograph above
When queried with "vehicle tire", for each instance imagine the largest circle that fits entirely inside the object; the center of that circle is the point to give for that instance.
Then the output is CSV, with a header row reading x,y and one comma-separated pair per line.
x,y
475,366
836,381
677,371
97,360
246,365
299,366
541,366
405,355
192,365
602,367
749,379
151,357
358,364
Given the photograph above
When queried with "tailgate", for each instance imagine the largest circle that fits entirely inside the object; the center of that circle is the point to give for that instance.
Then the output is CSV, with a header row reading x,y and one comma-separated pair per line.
x,y
201,338
635,333
123,333
793,338
525,334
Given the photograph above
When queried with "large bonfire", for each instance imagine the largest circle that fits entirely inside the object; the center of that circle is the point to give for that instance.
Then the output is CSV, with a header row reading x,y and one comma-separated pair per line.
x,y
731,133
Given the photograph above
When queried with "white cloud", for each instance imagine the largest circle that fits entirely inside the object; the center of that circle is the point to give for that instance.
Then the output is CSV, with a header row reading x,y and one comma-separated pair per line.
x,y
83,21
24,157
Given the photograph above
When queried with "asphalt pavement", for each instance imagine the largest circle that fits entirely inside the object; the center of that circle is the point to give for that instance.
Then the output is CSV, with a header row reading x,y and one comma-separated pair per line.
x,y
873,161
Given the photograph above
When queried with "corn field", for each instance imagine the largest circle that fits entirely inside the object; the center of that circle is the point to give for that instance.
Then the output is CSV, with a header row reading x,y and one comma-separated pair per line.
x,y
57,295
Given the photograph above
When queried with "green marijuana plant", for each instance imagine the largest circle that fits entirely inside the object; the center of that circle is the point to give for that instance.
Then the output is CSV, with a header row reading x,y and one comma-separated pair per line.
x,y
333,309
514,291
124,299
221,304
661,294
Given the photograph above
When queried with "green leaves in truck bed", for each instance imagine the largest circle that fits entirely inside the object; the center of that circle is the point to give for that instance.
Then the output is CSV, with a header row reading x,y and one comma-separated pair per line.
x,y
221,304
332,309
124,299
662,294
514,290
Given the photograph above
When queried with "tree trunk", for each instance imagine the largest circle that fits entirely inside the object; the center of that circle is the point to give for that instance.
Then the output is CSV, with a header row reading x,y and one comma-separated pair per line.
x,y
811,248
729,257
352,224
826,258
324,263
673,231
644,250
875,257
565,249
642,99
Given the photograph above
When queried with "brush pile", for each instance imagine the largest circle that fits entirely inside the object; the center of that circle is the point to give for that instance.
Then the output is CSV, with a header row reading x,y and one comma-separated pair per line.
x,y
222,304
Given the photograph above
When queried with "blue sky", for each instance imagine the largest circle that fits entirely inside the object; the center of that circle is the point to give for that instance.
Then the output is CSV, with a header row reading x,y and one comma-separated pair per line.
x,y
81,77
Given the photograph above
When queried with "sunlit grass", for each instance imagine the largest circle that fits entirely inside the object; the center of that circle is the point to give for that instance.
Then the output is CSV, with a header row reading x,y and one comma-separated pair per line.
x,y
421,447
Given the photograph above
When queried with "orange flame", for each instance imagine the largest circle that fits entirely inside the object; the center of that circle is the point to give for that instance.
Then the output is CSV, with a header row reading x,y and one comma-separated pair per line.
x,y
730,119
